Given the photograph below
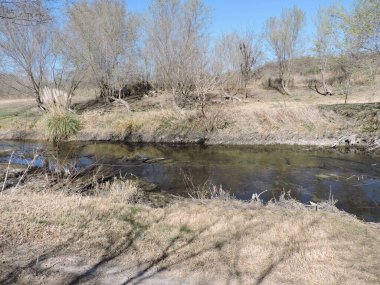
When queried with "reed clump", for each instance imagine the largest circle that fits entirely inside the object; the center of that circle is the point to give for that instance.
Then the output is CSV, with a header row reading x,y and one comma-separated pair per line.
x,y
61,122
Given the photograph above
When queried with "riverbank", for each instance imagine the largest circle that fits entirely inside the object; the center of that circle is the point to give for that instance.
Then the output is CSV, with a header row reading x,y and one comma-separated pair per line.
x,y
55,238
236,123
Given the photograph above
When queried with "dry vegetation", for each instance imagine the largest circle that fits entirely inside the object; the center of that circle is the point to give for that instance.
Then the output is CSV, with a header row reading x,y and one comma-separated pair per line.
x,y
265,117
163,80
51,238
166,80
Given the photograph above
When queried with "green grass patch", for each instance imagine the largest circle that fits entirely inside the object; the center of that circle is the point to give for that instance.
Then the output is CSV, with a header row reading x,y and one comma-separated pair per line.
x,y
185,229
61,125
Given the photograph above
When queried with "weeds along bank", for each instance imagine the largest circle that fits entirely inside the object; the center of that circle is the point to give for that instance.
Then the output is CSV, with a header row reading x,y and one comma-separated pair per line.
x,y
241,123
55,238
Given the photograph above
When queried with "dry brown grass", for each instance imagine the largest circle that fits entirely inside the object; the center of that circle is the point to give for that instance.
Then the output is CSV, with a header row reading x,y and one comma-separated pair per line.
x,y
124,191
266,117
294,124
230,123
152,126
55,239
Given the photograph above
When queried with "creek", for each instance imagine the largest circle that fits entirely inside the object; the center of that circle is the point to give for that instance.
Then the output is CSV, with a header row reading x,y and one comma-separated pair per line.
x,y
351,177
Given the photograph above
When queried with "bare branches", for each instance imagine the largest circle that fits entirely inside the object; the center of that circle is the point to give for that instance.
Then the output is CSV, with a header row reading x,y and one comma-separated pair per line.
x,y
27,49
24,12
250,55
100,38
324,45
100,43
365,25
283,36
238,56
177,39
348,61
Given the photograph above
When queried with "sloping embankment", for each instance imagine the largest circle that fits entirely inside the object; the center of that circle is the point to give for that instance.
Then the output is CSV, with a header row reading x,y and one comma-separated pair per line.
x,y
325,125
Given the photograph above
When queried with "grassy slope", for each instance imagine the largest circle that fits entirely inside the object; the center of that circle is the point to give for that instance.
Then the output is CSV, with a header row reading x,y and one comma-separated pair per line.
x,y
50,239
266,117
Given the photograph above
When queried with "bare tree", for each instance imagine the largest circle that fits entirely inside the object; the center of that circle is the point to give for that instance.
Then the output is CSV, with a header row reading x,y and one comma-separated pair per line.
x,y
283,35
177,37
32,45
65,75
365,24
228,57
349,60
250,55
207,78
238,56
348,63
27,51
100,37
364,27
324,45
24,12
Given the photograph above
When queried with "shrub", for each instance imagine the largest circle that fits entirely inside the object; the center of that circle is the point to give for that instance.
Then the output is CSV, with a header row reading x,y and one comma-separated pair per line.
x,y
61,125
125,191
126,128
205,190
194,122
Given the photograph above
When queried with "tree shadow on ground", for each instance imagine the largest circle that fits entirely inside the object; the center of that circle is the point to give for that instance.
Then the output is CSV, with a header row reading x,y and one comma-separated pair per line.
x,y
288,249
13,276
179,251
234,275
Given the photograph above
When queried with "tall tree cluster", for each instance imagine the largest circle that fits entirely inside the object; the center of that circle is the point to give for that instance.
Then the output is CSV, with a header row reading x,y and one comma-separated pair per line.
x,y
102,44
177,42
100,39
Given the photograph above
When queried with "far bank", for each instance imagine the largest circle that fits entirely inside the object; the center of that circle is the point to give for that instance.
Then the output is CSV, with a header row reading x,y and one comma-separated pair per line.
x,y
236,123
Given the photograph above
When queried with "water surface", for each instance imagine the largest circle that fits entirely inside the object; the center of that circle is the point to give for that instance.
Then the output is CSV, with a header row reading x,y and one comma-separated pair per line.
x,y
353,178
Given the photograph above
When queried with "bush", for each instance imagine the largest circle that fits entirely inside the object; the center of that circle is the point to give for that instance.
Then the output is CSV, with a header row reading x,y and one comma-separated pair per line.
x,y
61,125
126,191
205,190
275,83
194,122
127,127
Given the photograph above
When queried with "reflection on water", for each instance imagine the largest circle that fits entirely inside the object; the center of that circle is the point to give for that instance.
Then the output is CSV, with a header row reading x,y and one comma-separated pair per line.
x,y
352,178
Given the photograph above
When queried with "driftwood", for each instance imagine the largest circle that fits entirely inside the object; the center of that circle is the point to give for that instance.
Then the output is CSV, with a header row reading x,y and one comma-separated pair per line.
x,y
313,86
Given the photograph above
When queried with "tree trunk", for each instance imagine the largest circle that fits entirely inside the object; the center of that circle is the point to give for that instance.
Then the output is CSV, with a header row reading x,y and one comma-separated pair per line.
x,y
246,90
324,81
40,104
69,99
347,89
174,102
284,86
